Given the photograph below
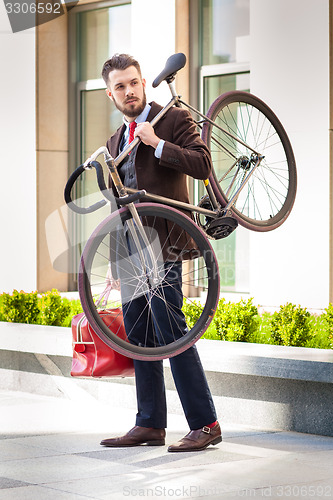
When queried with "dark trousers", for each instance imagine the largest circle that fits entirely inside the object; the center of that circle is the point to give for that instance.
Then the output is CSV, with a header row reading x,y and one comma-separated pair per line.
x,y
186,368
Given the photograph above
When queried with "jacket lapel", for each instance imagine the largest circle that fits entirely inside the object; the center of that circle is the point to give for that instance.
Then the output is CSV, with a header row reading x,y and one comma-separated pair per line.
x,y
155,108
115,141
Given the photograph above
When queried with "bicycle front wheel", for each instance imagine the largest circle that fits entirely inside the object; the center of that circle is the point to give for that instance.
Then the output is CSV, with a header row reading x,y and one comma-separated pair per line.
x,y
268,196
167,273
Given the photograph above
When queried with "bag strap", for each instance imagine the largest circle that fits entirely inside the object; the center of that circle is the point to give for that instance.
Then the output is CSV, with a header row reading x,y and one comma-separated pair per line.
x,y
79,332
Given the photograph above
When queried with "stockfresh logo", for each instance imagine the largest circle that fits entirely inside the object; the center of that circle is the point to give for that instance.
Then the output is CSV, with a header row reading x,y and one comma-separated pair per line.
x,y
25,14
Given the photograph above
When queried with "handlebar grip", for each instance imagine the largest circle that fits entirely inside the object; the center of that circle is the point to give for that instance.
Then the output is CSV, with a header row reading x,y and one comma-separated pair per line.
x,y
131,198
70,183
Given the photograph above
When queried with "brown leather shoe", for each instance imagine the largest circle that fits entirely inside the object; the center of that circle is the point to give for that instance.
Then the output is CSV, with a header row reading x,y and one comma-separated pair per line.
x,y
137,436
199,439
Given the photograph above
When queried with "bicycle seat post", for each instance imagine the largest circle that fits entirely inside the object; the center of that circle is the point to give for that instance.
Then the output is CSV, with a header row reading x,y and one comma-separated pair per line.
x,y
174,94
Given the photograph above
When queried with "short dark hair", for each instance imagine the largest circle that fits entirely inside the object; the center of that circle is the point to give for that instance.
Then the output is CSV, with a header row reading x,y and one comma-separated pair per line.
x,y
119,61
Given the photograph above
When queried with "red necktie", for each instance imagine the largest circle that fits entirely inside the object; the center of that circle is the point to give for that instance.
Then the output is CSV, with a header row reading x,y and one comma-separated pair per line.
x,y
132,127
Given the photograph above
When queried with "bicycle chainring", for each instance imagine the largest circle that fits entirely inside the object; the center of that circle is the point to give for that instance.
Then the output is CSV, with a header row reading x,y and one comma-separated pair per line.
x,y
215,228
201,220
221,227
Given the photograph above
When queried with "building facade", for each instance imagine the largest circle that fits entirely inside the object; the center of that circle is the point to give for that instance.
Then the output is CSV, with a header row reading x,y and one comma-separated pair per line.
x,y
55,113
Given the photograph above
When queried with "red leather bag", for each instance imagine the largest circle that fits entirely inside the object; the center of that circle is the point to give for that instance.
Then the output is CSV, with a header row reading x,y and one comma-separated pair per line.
x,y
91,356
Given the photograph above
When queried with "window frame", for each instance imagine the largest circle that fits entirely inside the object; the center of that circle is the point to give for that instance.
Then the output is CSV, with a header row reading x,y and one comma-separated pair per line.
x,y
223,69
75,120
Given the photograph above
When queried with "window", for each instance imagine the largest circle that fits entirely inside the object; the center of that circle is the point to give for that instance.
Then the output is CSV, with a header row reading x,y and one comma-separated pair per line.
x,y
100,34
96,35
224,66
224,30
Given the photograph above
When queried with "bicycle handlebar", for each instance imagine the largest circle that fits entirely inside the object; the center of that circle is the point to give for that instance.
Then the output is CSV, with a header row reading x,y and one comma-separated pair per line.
x,y
123,200
71,181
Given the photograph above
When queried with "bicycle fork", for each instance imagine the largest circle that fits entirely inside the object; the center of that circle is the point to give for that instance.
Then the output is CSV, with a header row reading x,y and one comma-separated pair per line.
x,y
137,232
135,226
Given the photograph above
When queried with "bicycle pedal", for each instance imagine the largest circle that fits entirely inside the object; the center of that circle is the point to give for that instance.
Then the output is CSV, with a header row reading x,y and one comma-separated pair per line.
x,y
221,227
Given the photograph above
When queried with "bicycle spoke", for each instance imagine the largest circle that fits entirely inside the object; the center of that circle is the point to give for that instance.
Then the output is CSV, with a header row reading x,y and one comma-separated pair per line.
x,y
152,287
262,199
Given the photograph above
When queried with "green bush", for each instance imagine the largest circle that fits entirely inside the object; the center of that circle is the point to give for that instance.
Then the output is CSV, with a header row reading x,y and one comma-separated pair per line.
x,y
236,321
290,326
2,317
327,319
45,309
232,321
53,309
74,309
20,307
192,311
263,333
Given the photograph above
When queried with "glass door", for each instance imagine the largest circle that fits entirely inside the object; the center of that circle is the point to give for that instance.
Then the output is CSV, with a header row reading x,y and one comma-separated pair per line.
x,y
232,252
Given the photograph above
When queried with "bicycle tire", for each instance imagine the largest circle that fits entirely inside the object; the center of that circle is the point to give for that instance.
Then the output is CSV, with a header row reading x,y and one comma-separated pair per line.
x,y
267,199
95,261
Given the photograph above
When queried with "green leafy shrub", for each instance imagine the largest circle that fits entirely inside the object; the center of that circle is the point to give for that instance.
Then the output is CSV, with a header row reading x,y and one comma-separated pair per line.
x,y
53,309
192,311
45,309
236,321
20,307
327,319
232,321
2,317
263,333
290,326
74,308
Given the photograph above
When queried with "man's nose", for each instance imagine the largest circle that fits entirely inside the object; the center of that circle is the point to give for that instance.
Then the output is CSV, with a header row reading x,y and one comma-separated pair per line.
x,y
129,90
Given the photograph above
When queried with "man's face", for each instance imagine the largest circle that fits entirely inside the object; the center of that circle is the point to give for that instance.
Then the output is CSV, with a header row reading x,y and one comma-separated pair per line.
x,y
127,90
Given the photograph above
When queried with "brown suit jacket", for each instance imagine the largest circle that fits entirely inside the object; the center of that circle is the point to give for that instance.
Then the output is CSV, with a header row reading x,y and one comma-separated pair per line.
x,y
184,153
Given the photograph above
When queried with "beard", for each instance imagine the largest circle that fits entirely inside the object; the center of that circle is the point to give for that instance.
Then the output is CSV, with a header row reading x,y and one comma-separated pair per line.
x,y
133,109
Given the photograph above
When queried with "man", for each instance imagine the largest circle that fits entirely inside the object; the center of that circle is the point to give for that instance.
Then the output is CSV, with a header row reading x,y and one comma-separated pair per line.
x,y
160,164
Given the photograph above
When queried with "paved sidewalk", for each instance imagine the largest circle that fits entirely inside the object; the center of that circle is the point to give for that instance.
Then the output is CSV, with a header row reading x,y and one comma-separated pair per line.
x,y
50,450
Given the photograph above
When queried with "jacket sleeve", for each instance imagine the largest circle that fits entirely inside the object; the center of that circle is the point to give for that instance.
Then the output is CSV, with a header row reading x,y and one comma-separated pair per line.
x,y
186,152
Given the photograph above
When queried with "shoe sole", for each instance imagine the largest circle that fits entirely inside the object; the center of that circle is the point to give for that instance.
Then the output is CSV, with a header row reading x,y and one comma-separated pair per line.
x,y
144,443
215,441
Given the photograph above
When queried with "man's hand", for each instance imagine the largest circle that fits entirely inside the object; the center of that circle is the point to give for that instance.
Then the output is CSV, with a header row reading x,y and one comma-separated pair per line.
x,y
147,135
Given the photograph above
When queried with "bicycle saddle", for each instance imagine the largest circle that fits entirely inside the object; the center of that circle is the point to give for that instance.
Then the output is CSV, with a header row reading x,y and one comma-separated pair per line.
x,y
173,64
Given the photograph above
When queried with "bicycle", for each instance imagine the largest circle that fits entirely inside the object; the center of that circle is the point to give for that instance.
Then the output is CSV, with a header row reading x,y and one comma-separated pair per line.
x,y
254,186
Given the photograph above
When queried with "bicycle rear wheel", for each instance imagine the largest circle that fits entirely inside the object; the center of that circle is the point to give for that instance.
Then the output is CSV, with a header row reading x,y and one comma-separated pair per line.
x,y
268,197
173,271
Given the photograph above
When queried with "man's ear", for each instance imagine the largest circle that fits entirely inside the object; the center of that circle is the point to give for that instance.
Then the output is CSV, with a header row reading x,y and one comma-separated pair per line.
x,y
109,94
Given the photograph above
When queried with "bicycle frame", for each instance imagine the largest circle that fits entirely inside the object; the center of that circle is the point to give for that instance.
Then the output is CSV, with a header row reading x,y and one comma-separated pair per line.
x,y
123,191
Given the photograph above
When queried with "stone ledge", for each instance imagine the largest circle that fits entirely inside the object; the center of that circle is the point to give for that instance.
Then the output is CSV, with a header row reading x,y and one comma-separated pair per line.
x,y
271,387
36,338
296,363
